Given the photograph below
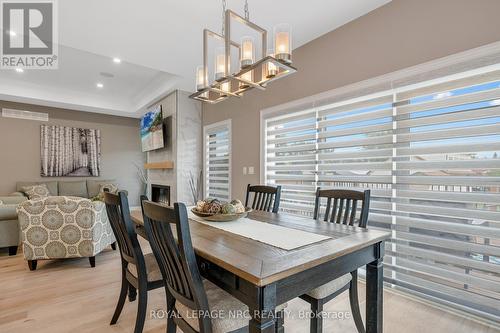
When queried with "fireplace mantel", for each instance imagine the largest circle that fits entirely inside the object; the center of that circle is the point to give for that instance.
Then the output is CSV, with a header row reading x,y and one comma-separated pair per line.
x,y
159,165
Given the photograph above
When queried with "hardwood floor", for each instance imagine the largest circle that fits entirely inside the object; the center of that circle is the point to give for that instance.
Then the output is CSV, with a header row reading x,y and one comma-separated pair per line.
x,y
69,296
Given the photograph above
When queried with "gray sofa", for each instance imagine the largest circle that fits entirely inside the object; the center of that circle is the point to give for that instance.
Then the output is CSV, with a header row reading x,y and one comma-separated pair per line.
x,y
79,188
9,225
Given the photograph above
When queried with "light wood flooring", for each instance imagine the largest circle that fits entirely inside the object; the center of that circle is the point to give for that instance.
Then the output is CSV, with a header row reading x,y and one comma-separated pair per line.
x,y
69,296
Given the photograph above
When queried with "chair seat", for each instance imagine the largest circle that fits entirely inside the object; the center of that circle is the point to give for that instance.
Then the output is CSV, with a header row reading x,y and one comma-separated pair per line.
x,y
152,268
331,287
219,300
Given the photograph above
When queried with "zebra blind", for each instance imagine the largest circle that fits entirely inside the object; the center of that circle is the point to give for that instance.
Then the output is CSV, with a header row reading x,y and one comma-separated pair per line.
x,y
429,154
217,143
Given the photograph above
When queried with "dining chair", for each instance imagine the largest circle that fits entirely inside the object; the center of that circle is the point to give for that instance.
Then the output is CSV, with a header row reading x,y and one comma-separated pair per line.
x,y
265,198
140,273
187,293
341,207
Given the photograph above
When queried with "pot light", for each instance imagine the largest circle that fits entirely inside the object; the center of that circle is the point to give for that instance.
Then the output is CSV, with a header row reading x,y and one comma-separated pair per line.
x,y
19,70
100,85
117,60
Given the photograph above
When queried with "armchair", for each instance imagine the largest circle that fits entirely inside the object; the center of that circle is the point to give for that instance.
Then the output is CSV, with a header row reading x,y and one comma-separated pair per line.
x,y
9,226
63,227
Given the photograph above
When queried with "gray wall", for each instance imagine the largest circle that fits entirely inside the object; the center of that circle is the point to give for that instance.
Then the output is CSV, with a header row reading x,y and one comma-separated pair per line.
x,y
400,34
20,147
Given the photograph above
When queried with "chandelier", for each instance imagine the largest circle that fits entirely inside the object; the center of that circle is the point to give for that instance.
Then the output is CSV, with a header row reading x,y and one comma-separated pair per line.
x,y
239,66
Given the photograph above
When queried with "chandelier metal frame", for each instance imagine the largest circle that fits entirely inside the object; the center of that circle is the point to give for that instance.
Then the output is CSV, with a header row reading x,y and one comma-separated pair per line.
x,y
217,91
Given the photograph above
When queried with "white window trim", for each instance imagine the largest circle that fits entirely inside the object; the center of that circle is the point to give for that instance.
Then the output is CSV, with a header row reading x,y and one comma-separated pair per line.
x,y
470,62
224,123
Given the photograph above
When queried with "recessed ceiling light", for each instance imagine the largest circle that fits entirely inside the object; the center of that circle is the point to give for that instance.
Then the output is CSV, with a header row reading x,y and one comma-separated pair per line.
x,y
100,85
19,70
117,60
12,33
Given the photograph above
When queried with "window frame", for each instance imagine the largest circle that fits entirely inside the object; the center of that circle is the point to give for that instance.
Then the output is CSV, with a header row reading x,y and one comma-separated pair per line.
x,y
227,123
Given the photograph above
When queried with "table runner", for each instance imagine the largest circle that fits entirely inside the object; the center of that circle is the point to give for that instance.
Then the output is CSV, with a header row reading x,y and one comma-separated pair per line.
x,y
271,234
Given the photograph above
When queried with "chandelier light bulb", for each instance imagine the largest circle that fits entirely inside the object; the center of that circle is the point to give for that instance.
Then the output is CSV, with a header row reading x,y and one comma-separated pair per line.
x,y
220,63
283,42
270,70
200,78
247,52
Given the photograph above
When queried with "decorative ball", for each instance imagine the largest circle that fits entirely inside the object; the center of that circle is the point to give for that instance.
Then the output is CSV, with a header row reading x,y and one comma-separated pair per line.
x,y
199,205
239,208
206,207
228,208
235,202
215,207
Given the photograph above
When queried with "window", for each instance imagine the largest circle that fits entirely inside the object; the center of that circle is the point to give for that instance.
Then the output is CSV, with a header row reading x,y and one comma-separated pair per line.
x,y
217,160
429,152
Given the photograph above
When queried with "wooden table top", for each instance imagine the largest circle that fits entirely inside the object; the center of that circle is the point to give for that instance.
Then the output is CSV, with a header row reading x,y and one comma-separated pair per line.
x,y
262,264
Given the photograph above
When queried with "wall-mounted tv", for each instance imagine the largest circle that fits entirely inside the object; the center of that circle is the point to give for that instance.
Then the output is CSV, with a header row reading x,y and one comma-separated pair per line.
x,y
152,129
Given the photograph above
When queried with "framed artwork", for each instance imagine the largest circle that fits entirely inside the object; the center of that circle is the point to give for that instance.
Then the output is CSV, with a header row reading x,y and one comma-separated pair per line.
x,y
152,129
70,151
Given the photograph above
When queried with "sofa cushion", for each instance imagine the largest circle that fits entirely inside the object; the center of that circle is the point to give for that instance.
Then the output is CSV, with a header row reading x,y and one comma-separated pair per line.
x,y
73,189
94,186
35,192
51,185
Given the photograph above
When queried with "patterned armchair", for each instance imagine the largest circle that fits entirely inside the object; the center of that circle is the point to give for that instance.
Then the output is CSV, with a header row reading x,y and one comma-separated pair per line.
x,y
63,227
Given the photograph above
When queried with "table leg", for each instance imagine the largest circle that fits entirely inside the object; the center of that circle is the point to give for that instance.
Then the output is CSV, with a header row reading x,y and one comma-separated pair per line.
x,y
374,294
262,313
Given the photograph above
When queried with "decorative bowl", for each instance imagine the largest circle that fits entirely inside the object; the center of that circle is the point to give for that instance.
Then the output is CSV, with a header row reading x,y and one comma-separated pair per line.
x,y
221,217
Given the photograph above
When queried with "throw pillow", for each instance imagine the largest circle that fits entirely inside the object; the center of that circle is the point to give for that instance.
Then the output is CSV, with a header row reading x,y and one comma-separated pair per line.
x,y
35,192
110,187
1,202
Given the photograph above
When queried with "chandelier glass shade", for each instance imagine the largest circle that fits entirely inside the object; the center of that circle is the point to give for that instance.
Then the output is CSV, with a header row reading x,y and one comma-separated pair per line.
x,y
254,69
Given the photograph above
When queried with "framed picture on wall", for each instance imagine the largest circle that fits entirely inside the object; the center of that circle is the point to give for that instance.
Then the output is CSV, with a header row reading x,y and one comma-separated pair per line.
x,y
70,151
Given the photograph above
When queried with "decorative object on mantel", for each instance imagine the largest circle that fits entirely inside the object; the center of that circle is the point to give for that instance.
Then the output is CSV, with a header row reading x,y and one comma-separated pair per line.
x,y
251,72
216,211
195,185
143,177
159,165
69,151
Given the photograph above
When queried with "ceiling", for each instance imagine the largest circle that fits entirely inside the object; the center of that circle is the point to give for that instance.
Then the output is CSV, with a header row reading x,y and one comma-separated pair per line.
x,y
159,43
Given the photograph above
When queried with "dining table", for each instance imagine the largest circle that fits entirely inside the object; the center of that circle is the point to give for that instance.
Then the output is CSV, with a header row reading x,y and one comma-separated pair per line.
x,y
264,276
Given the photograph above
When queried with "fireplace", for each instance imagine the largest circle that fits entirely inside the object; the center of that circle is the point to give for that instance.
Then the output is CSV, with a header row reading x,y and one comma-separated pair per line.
x,y
160,194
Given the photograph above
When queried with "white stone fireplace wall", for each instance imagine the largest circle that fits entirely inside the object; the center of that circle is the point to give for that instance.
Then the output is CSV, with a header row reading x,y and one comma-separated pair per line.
x,y
183,146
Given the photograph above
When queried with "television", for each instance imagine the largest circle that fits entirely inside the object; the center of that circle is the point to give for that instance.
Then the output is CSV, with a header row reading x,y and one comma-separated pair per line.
x,y
152,129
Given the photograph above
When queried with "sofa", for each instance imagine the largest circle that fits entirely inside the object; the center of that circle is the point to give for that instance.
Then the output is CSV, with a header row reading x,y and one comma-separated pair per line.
x,y
9,225
79,188
60,227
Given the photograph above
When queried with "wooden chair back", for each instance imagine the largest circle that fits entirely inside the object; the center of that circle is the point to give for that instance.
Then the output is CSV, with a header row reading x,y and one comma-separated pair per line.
x,y
265,198
176,257
118,212
342,205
